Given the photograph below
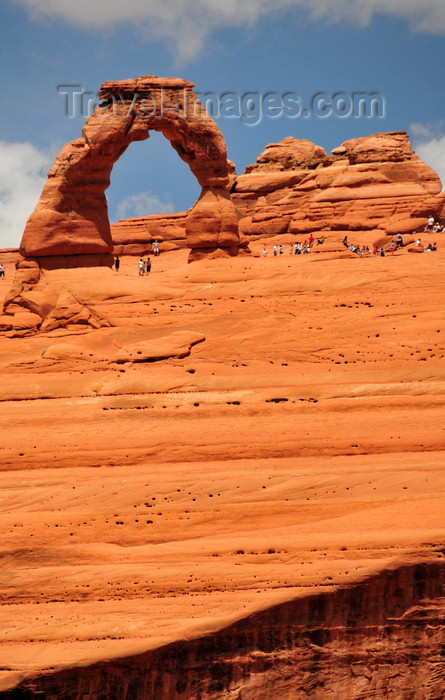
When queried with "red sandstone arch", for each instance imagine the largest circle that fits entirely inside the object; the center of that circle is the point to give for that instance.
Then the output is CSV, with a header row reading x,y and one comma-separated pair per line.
x,y
71,217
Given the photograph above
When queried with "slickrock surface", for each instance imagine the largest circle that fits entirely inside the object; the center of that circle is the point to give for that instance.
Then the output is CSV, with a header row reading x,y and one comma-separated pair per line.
x,y
233,487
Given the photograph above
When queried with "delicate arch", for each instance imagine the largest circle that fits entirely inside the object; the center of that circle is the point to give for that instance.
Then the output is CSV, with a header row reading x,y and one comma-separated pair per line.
x,y
71,217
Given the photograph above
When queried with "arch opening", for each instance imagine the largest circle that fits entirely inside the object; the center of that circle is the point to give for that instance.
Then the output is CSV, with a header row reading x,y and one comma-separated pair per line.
x,y
150,179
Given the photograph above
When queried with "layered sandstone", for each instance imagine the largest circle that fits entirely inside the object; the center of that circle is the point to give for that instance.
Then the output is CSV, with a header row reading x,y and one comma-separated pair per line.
x,y
374,183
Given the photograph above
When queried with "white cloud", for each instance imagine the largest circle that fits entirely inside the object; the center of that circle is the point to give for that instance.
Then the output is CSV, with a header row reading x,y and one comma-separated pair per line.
x,y
421,132
428,141
143,204
427,16
187,23
23,171
432,153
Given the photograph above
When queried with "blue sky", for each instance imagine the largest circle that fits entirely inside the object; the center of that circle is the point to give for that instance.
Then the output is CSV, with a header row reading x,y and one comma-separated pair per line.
x,y
395,48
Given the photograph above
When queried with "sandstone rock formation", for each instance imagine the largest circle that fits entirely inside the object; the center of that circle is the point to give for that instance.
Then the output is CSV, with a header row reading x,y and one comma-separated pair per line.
x,y
71,216
375,183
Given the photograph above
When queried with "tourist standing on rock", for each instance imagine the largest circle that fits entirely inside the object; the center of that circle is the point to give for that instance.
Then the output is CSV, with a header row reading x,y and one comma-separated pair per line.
x,y
117,264
345,242
155,248
17,264
141,267
2,271
264,253
430,224
275,250
148,266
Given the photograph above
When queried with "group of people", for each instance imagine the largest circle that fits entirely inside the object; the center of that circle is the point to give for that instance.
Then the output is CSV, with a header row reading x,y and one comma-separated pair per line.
x,y
295,248
433,226
364,250
418,242
2,269
431,246
381,251
144,266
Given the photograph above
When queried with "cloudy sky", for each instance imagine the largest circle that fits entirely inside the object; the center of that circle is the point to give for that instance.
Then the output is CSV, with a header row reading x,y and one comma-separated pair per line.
x,y
313,56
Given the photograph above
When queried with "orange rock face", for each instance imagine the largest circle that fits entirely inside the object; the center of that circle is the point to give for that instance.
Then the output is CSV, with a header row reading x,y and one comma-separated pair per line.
x,y
232,485
375,183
